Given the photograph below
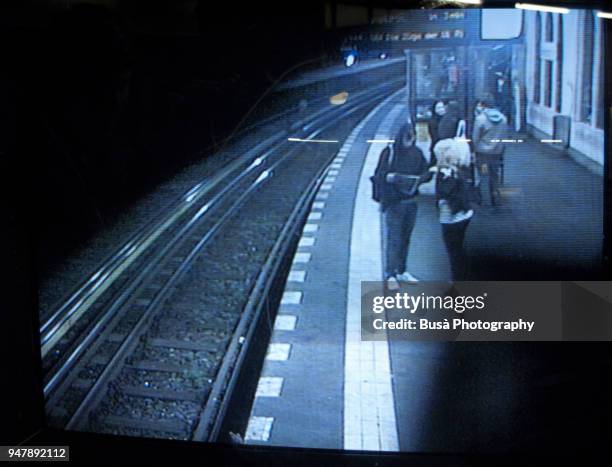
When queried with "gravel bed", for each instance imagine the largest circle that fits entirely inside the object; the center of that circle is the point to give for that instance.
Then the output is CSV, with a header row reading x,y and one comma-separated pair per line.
x,y
108,348
73,399
193,380
91,371
197,360
127,322
145,408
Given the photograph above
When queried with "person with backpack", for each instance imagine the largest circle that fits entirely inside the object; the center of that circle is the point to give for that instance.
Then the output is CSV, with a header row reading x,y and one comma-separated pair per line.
x,y
453,201
490,127
401,168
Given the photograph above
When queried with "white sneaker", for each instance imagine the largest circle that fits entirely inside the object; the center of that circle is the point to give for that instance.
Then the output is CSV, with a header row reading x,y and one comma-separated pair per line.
x,y
407,277
392,283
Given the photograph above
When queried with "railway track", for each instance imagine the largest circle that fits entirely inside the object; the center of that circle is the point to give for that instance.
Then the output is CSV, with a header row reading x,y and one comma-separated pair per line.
x,y
155,342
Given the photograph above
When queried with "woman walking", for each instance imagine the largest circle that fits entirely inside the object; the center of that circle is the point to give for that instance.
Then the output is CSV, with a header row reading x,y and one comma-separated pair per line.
x,y
452,195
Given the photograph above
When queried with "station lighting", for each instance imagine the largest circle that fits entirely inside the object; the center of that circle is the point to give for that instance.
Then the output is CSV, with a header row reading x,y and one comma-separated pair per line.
x,y
382,56
603,14
470,2
349,60
534,7
339,99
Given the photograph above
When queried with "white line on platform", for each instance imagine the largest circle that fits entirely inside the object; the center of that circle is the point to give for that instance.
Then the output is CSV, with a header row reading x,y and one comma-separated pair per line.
x,y
291,297
285,322
314,216
311,228
326,187
318,205
322,195
330,179
333,172
300,140
296,276
259,429
269,386
551,140
381,141
306,242
369,413
278,352
301,257
336,165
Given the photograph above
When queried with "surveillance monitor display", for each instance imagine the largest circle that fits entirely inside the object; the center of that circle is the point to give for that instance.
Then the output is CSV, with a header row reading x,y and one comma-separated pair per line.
x,y
351,227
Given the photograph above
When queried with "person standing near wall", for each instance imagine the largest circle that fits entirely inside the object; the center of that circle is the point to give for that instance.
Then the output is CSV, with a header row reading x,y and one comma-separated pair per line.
x,y
490,127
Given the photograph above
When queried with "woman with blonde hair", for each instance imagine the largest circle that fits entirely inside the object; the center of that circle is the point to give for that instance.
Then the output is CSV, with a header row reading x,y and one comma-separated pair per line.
x,y
452,196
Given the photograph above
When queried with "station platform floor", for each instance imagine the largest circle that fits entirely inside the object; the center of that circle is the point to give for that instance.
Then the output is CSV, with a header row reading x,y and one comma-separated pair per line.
x,y
323,387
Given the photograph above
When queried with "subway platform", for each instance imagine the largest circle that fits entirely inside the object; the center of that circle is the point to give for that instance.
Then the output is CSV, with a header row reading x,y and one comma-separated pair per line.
x,y
323,387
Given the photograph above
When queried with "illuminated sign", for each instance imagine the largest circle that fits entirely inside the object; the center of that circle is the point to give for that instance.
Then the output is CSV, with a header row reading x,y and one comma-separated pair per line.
x,y
418,36
446,16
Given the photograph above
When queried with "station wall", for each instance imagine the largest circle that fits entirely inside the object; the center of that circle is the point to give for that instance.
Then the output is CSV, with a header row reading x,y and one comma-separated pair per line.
x,y
566,55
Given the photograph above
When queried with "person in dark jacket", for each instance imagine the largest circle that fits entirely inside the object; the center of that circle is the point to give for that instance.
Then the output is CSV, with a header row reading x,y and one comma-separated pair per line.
x,y
448,125
402,168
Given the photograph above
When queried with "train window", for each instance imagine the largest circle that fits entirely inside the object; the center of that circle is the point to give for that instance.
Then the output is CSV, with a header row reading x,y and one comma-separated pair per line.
x,y
437,75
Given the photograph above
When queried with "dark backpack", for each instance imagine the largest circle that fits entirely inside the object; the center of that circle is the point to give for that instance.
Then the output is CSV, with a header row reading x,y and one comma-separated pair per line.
x,y
378,179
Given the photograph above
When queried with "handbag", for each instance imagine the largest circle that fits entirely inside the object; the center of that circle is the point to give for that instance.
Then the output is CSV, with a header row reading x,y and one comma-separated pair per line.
x,y
378,179
461,146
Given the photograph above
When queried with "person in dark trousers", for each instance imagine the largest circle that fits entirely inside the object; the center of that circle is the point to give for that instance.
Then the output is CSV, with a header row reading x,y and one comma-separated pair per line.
x,y
448,125
490,127
453,203
438,112
401,169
